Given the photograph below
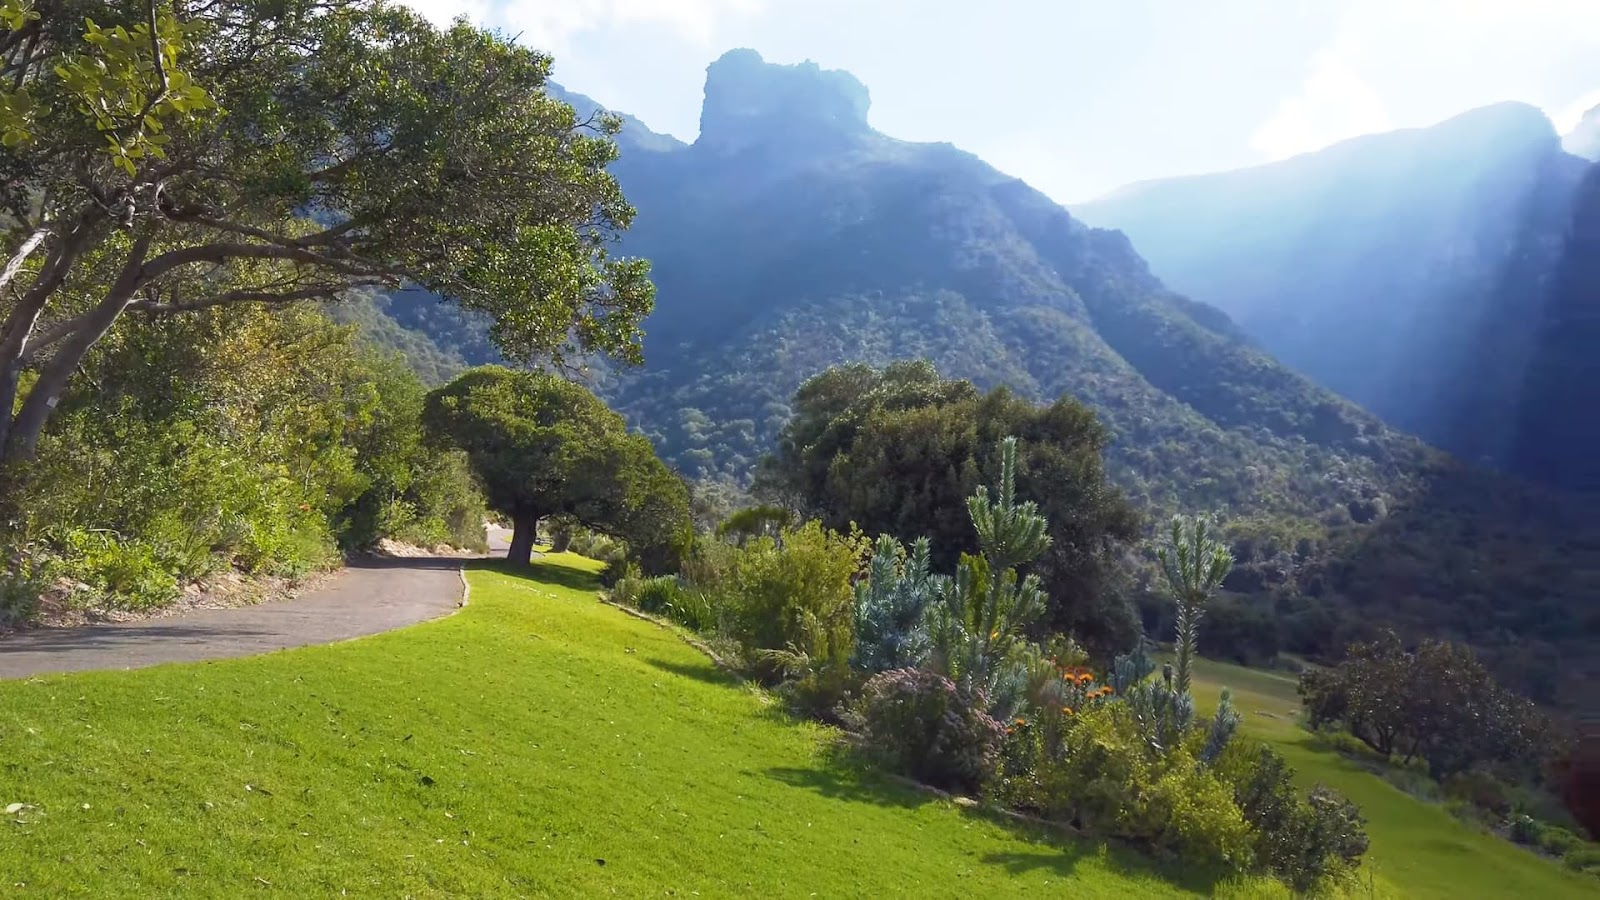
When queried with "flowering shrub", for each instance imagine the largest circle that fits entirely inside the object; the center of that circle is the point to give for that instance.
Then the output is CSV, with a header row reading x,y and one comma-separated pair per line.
x,y
920,724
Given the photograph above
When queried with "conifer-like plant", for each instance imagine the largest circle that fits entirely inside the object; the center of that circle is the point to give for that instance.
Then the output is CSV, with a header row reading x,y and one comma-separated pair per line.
x,y
976,626
1194,563
890,606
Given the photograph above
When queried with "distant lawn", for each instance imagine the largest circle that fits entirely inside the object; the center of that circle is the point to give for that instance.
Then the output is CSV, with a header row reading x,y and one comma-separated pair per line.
x,y
1417,848
537,743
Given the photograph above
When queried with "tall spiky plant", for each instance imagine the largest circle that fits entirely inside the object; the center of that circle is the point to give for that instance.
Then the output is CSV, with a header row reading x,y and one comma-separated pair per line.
x,y
1194,563
1009,533
976,626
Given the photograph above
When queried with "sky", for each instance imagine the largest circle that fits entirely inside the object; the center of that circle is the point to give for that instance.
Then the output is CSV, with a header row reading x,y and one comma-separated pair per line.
x,y
1078,97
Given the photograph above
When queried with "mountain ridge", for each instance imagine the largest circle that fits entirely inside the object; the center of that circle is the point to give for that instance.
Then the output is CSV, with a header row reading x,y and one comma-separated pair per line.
x,y
783,251
1408,271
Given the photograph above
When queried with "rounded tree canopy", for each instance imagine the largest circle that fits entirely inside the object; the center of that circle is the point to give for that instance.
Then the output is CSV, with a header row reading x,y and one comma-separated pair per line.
x,y
543,446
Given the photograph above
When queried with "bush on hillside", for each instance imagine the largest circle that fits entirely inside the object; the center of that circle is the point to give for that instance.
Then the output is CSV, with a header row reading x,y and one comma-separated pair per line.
x,y
791,594
921,725
1300,841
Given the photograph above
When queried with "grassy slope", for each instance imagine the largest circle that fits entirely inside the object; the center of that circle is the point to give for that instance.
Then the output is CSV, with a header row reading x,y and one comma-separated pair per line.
x,y
535,744
1417,847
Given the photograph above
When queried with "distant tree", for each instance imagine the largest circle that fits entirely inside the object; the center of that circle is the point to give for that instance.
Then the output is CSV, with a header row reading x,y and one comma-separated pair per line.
x,y
756,521
1437,703
544,446
1193,564
161,157
899,451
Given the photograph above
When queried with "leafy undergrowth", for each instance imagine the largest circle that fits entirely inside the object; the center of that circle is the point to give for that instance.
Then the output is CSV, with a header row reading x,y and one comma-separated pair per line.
x,y
538,743
1418,848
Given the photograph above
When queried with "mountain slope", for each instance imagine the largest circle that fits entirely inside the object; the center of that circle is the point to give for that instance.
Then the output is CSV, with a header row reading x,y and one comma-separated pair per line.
x,y
791,236
1408,271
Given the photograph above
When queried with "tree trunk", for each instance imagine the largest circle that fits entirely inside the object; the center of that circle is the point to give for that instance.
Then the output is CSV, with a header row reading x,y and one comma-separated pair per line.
x,y
42,398
523,528
25,315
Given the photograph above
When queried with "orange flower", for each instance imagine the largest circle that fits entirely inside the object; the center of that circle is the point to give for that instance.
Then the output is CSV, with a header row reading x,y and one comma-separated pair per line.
x,y
1067,710
1021,721
1085,678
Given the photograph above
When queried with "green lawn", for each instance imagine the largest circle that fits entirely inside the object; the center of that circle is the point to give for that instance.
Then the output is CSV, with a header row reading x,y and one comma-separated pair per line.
x,y
1418,849
537,743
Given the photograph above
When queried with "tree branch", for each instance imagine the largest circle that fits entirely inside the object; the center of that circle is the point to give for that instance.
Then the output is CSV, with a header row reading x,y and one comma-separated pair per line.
x,y
315,292
221,253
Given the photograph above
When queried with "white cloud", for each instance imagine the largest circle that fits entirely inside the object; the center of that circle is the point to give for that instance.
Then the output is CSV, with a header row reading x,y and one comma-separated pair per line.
x,y
1334,103
548,24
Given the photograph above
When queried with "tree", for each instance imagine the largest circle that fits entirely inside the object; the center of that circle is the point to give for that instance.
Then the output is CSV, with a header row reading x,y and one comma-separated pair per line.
x,y
1193,563
1437,703
544,446
174,156
900,450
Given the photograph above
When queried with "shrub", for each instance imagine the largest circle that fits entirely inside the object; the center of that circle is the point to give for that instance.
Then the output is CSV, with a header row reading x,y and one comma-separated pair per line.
x,y
127,574
1301,842
1585,858
921,725
1524,830
1103,778
822,692
655,595
24,579
793,594
1480,789
1190,813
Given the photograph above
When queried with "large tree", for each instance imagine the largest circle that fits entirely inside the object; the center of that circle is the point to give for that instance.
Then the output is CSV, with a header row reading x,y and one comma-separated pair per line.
x,y
158,156
899,450
545,446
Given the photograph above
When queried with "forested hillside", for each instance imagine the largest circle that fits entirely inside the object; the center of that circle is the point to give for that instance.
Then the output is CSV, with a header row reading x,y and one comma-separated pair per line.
x,y
792,236
1416,272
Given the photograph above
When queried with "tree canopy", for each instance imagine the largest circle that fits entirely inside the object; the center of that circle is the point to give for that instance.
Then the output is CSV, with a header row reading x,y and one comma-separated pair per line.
x,y
544,446
1436,703
161,157
899,450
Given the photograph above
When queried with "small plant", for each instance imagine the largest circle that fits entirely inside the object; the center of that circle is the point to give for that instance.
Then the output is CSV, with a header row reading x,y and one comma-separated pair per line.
x,y
1193,563
1223,726
922,725
127,574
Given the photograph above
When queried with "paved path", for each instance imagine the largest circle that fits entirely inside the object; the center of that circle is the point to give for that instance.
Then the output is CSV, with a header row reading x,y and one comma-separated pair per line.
x,y
367,597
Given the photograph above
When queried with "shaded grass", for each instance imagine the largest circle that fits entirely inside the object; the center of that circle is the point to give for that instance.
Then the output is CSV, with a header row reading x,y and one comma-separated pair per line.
x,y
537,743
1418,849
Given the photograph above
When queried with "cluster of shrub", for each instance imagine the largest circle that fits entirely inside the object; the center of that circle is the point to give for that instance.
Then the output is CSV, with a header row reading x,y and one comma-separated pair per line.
x,y
1443,729
231,438
937,679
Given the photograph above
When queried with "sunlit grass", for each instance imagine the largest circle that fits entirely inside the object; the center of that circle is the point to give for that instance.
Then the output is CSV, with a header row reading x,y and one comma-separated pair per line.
x,y
537,743
1418,849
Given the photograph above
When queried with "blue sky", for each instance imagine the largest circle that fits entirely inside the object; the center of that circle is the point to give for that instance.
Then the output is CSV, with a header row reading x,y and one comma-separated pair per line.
x,y
1082,96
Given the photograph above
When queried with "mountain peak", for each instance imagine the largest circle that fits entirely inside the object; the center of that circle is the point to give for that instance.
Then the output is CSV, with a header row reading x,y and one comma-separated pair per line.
x,y
749,100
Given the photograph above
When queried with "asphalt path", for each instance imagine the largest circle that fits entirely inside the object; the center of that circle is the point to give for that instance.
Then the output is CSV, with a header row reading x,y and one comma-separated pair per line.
x,y
368,596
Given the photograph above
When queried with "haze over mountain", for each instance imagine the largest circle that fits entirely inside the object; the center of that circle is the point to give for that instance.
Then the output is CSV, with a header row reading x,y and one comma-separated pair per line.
x,y
1415,272
1584,139
791,236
